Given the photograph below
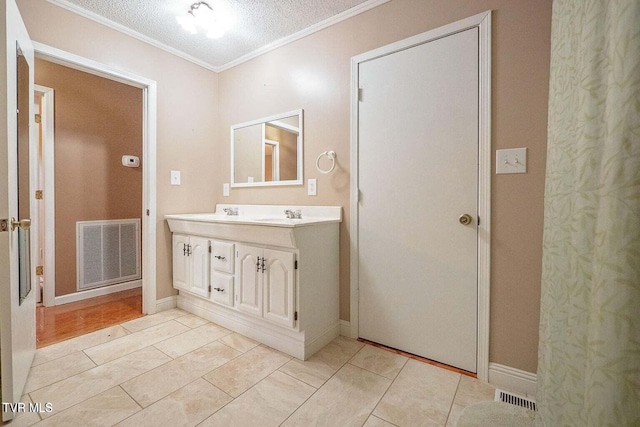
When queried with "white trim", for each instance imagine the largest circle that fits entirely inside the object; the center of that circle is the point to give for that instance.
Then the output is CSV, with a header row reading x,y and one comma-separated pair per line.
x,y
482,21
345,328
356,10
92,293
149,119
513,379
167,303
48,145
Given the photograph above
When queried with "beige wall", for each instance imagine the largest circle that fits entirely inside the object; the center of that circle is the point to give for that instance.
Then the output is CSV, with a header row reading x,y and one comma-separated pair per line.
x,y
314,74
97,121
186,120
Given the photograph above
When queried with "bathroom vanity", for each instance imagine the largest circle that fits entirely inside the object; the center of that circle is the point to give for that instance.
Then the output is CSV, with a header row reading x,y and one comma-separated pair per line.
x,y
257,272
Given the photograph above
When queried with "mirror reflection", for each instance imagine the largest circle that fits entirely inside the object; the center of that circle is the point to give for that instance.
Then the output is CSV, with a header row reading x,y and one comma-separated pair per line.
x,y
22,83
267,151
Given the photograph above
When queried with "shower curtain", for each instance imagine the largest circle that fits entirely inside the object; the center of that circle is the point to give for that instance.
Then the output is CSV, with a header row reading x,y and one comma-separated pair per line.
x,y
589,350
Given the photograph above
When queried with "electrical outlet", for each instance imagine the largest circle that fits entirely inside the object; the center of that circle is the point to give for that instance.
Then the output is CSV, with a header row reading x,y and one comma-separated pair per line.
x,y
312,187
512,160
225,189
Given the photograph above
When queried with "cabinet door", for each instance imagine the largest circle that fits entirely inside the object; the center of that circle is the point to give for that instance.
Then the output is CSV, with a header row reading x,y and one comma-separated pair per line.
x,y
249,279
279,287
199,261
180,262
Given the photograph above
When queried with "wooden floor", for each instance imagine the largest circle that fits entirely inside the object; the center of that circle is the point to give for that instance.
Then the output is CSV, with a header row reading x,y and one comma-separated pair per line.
x,y
59,323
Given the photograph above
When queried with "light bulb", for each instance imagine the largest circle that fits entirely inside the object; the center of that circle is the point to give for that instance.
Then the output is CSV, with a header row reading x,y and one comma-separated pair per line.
x,y
187,22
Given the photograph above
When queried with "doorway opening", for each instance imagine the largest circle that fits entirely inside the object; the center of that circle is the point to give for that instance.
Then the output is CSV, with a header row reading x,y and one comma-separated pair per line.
x,y
146,199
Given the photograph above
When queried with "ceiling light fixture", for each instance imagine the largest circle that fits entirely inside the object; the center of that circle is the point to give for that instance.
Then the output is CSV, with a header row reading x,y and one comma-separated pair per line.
x,y
202,16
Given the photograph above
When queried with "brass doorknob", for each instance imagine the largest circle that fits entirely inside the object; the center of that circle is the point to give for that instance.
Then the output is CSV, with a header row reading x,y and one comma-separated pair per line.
x,y
25,224
465,219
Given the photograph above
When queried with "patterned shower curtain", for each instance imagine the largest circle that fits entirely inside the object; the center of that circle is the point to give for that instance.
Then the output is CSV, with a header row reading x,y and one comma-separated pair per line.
x,y
589,351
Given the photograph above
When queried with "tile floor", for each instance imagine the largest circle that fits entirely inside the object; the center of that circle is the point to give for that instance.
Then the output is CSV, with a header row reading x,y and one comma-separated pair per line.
x,y
176,369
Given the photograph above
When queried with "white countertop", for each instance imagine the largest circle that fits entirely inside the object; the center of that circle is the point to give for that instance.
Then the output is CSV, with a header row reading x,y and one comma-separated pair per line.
x,y
266,215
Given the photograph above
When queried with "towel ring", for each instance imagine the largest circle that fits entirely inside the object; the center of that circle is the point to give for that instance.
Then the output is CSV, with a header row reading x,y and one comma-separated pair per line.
x,y
332,156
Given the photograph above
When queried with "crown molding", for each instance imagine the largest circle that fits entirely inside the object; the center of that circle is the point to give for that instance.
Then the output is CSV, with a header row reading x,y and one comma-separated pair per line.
x,y
356,10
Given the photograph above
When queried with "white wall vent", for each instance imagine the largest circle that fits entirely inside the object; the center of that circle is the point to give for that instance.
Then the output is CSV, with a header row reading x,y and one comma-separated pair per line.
x,y
507,397
108,252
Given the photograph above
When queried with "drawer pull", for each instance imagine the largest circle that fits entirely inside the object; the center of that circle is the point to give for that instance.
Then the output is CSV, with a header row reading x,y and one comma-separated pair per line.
x,y
218,289
219,257
258,265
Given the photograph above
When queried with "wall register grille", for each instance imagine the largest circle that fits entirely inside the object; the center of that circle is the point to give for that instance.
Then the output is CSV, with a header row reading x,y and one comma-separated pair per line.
x,y
108,252
505,396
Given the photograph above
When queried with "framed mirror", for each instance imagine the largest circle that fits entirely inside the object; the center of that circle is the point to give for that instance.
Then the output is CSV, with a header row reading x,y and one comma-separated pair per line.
x,y
267,151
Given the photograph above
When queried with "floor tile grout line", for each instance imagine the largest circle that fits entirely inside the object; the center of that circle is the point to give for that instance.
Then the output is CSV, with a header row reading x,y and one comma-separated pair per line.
x,y
385,391
453,399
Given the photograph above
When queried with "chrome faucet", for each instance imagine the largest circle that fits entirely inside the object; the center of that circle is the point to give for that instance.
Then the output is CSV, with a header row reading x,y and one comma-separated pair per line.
x,y
231,211
293,214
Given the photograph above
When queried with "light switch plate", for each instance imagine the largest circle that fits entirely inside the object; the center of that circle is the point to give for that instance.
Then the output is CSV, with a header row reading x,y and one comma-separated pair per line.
x,y
225,189
175,177
512,160
312,187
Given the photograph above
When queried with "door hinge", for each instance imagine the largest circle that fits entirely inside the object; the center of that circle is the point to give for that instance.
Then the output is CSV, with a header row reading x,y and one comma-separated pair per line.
x,y
40,270
295,265
478,220
209,252
209,288
39,195
148,212
295,316
38,118
360,94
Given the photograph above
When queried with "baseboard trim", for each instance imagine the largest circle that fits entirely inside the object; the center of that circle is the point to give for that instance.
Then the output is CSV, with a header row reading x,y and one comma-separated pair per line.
x,y
345,328
513,379
97,292
167,303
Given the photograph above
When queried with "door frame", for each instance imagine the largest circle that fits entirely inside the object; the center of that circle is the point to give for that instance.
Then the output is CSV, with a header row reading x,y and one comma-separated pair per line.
x,y
149,144
482,21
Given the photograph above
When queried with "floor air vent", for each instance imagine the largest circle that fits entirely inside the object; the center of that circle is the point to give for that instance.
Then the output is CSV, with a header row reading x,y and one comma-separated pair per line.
x,y
505,396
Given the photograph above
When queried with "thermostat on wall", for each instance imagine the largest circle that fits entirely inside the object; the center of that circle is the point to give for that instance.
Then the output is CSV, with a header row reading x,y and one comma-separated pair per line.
x,y
131,161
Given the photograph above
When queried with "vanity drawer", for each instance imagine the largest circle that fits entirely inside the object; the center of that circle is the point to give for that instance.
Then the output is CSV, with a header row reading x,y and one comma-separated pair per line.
x,y
222,288
222,256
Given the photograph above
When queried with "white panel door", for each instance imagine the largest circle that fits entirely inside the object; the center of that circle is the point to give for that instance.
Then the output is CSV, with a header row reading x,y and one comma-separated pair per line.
x,y
199,266
249,276
418,173
180,262
279,298
17,185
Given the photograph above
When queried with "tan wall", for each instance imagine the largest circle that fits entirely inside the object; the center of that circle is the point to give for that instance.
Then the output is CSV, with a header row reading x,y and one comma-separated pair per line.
x,y
97,121
186,120
314,74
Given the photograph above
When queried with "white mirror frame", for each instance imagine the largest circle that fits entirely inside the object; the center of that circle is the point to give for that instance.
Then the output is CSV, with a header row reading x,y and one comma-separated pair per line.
x,y
262,121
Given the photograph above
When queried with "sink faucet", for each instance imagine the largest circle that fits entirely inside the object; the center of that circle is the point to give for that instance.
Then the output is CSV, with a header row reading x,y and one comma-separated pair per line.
x,y
231,211
293,214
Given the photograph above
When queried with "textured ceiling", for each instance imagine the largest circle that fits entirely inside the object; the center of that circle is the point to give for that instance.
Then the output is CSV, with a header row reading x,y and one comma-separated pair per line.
x,y
256,23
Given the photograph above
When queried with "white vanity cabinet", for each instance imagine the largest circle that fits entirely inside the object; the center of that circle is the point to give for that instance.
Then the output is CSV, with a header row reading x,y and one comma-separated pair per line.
x,y
191,264
260,274
266,284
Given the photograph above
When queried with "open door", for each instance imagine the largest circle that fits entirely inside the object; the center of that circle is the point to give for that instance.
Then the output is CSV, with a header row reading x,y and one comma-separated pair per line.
x,y
17,188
